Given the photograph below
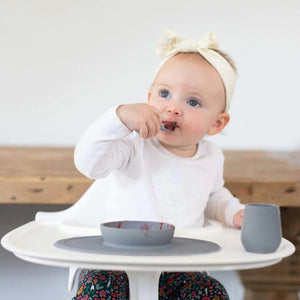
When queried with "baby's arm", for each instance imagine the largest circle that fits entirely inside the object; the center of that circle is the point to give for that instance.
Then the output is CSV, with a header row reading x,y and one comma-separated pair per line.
x,y
222,205
103,147
141,117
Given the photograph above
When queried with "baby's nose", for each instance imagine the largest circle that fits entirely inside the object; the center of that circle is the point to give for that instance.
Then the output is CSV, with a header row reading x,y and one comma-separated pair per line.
x,y
175,109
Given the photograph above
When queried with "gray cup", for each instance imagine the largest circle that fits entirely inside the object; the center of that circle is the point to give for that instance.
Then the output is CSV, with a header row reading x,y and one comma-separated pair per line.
x,y
261,229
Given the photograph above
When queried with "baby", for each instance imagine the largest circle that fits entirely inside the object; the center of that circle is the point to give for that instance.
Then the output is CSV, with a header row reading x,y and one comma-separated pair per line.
x,y
174,176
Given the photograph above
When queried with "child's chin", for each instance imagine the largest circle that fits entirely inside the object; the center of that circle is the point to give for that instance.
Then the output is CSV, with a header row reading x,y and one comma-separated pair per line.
x,y
168,140
166,136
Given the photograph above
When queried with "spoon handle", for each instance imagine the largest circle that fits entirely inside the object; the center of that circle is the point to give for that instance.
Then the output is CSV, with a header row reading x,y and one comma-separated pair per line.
x,y
162,128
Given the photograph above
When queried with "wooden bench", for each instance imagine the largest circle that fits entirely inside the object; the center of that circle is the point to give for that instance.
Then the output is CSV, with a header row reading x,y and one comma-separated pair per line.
x,y
48,176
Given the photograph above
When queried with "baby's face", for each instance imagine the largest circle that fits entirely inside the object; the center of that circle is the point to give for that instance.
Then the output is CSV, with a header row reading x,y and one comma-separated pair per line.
x,y
190,96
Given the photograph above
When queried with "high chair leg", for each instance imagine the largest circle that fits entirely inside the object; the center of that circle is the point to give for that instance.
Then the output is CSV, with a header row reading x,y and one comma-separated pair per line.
x,y
72,275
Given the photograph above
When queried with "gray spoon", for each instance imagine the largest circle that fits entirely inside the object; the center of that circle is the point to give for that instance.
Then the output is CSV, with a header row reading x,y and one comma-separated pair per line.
x,y
162,128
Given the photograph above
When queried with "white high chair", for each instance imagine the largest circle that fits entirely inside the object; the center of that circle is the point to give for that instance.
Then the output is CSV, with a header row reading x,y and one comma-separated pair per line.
x,y
82,220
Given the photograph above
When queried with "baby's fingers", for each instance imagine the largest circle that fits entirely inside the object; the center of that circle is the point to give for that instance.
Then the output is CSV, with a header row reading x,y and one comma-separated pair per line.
x,y
143,131
155,121
148,130
238,218
153,128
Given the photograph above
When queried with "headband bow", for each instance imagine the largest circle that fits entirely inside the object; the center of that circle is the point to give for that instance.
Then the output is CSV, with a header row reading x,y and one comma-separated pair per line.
x,y
171,43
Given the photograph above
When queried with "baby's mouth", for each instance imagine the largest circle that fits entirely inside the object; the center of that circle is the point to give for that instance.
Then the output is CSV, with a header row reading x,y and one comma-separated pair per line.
x,y
170,125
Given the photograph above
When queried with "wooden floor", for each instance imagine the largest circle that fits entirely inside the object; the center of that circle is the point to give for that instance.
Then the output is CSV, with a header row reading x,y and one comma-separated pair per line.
x,y
48,176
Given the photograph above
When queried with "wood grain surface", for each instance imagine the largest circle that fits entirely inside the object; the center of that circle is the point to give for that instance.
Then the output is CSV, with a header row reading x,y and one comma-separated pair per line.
x,y
48,175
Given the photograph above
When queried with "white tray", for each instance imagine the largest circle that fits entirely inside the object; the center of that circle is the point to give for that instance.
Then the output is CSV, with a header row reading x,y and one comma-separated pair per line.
x,y
37,238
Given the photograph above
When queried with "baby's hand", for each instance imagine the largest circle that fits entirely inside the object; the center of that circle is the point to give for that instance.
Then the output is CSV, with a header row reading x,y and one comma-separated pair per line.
x,y
238,218
141,117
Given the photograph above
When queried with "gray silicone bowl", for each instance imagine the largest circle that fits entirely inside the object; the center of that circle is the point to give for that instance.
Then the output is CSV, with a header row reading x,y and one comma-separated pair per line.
x,y
137,233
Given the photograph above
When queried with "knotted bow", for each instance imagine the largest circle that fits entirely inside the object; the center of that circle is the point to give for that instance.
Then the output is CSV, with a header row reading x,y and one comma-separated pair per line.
x,y
171,43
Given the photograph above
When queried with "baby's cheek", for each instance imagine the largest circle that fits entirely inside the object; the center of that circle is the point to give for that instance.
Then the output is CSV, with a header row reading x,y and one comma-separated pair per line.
x,y
197,132
155,102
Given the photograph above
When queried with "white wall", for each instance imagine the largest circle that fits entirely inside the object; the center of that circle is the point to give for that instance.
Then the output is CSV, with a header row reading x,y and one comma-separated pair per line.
x,y
63,62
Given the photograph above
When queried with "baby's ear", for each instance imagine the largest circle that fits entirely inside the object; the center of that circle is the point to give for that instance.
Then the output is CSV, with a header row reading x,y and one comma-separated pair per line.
x,y
149,95
219,124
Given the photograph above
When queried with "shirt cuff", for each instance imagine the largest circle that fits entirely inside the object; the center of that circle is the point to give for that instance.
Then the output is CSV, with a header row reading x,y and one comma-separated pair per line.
x,y
231,210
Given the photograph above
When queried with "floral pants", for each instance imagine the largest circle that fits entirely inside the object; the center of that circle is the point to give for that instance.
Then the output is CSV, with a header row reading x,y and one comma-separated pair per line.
x,y
112,285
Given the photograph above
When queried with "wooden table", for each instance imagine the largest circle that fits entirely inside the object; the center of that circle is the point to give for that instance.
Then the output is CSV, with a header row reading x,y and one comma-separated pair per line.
x,y
48,175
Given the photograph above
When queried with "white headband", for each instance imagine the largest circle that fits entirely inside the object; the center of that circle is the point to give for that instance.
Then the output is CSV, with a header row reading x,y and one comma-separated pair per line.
x,y
171,43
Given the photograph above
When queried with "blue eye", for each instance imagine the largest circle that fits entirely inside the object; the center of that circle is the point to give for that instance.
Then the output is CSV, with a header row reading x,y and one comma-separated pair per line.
x,y
193,103
165,94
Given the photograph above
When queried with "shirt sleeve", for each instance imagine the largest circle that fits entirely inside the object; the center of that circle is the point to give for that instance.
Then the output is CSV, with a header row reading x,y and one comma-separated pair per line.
x,y
222,205
103,147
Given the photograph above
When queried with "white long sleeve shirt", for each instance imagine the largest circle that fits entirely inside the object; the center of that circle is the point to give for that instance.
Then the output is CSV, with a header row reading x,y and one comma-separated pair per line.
x,y
138,179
